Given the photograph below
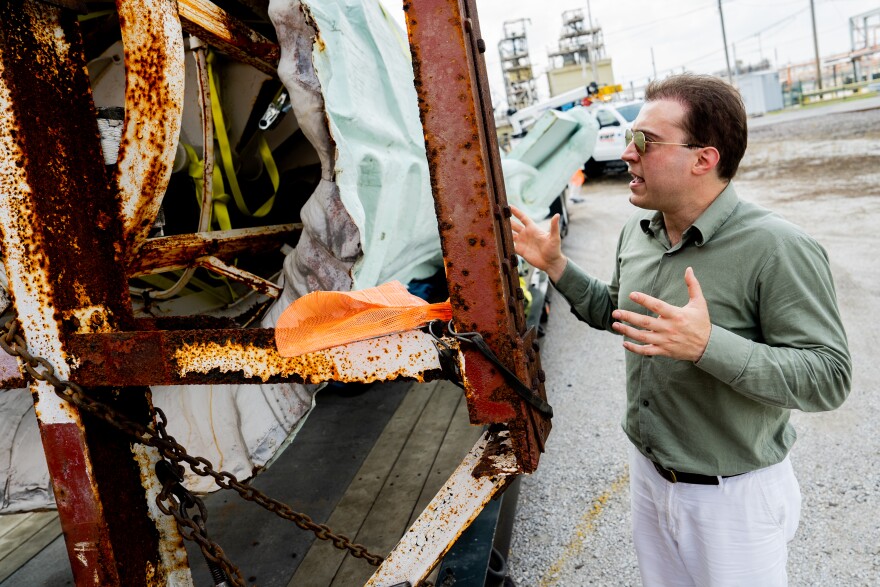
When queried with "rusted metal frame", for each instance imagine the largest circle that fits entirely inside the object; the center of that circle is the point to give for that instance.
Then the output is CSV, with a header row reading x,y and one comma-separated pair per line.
x,y
154,82
217,28
456,505
59,225
232,355
180,251
168,357
472,212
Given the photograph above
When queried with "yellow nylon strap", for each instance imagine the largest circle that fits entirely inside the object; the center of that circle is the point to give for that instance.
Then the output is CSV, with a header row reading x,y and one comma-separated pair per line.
x,y
221,201
226,152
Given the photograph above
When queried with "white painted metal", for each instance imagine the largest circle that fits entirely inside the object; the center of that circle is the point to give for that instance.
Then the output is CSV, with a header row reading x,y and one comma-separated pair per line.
x,y
406,354
451,511
155,71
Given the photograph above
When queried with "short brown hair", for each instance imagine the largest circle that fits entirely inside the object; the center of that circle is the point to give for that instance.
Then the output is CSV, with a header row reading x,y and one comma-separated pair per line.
x,y
715,115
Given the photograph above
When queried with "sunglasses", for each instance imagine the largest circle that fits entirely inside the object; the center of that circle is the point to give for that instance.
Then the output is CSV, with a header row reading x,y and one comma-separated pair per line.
x,y
641,142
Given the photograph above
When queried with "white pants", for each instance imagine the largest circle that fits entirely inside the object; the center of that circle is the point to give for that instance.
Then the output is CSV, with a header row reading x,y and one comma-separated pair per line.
x,y
732,534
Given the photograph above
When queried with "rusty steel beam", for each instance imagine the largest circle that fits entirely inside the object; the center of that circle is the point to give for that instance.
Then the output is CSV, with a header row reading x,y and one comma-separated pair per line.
x,y
167,357
59,229
181,251
473,216
214,26
154,80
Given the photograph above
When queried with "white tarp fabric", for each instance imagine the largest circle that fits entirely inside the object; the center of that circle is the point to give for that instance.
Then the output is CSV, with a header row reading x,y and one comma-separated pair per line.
x,y
538,168
369,221
381,167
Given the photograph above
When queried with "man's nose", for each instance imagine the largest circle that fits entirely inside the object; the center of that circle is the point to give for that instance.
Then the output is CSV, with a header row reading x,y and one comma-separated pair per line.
x,y
630,153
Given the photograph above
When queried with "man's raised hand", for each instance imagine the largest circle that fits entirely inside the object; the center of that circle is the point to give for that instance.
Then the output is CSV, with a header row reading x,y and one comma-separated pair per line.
x,y
540,249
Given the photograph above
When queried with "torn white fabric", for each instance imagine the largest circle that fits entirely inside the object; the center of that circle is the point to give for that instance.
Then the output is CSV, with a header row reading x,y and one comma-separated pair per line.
x,y
538,168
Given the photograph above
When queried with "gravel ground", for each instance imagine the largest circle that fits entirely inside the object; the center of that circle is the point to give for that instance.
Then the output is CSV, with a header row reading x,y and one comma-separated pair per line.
x,y
572,524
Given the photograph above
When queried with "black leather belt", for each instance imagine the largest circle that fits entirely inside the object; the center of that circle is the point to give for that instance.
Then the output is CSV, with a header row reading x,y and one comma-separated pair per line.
x,y
678,477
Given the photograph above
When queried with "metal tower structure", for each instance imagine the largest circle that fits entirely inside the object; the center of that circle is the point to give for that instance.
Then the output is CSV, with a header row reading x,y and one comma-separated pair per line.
x,y
516,65
580,42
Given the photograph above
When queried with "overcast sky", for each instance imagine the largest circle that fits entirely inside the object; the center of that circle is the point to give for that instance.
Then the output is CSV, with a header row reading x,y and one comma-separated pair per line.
x,y
683,33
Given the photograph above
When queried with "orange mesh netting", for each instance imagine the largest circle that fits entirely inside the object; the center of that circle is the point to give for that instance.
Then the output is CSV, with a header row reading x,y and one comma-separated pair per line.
x,y
325,319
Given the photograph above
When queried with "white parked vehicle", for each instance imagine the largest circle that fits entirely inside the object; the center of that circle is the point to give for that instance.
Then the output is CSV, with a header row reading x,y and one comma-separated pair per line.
x,y
614,119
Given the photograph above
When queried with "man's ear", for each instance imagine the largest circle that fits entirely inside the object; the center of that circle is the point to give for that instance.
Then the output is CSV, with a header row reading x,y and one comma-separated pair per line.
x,y
707,161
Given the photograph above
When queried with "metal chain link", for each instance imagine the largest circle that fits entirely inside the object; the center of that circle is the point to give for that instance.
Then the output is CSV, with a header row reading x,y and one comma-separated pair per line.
x,y
156,435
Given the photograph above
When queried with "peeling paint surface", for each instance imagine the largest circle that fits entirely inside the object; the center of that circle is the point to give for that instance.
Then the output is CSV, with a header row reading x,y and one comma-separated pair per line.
x,y
451,511
216,27
174,571
155,71
60,228
407,355
180,251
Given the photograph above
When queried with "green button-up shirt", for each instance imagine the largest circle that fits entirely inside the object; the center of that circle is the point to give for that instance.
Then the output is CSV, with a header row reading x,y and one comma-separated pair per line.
x,y
777,341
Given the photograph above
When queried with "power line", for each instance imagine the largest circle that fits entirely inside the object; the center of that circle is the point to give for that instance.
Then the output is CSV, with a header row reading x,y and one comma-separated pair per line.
x,y
629,29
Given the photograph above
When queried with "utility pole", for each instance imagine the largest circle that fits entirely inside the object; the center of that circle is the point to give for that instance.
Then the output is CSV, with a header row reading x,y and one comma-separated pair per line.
x,y
816,46
653,63
724,38
735,64
592,44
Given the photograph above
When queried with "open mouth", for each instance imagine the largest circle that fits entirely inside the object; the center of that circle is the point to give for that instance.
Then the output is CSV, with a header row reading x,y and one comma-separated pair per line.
x,y
636,179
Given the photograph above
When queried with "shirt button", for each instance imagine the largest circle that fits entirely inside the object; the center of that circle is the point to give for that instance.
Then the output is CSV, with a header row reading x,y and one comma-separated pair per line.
x,y
648,449
646,403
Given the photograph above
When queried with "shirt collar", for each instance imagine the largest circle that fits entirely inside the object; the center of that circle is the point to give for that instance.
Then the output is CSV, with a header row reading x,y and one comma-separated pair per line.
x,y
704,227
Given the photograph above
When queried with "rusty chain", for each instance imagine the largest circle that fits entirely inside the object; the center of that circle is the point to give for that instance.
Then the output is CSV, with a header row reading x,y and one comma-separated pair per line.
x,y
156,435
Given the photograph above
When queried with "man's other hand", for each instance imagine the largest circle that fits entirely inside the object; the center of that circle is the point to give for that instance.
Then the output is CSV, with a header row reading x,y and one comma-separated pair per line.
x,y
679,333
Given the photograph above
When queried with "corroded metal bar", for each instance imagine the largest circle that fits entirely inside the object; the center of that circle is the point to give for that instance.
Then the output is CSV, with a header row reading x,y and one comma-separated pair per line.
x,y
154,80
255,282
182,250
472,212
217,28
456,505
167,357
59,223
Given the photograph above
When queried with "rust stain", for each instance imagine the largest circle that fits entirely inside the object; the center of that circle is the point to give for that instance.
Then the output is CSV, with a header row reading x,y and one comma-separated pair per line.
x,y
218,28
172,551
60,270
154,66
180,251
455,110
236,355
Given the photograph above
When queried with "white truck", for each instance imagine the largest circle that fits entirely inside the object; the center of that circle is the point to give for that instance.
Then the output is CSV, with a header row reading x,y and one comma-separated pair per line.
x,y
614,119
